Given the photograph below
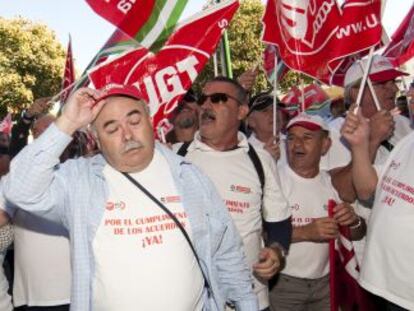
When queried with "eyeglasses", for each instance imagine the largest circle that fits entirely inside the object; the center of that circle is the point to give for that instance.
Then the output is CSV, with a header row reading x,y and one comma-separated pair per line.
x,y
216,98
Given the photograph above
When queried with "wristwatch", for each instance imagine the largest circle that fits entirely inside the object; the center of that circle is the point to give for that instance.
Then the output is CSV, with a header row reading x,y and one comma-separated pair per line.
x,y
25,117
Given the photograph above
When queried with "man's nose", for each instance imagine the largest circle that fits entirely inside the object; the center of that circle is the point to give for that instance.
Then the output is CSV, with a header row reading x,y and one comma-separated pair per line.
x,y
127,132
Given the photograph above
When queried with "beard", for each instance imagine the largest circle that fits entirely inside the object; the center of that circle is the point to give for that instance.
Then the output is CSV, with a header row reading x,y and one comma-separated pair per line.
x,y
186,123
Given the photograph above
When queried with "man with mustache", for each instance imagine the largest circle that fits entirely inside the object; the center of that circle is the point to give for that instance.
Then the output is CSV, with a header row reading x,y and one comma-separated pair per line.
x,y
223,153
148,231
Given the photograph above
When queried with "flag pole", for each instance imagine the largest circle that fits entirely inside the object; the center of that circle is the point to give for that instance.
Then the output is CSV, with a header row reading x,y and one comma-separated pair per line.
x,y
227,56
275,82
372,90
364,79
302,89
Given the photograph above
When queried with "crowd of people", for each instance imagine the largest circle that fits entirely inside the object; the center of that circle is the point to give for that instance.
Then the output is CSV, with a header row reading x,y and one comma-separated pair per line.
x,y
96,214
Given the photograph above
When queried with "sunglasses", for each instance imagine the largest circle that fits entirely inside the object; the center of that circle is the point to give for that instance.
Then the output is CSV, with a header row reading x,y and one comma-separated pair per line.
x,y
216,98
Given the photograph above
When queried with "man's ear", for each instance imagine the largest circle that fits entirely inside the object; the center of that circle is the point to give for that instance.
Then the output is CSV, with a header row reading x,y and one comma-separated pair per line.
x,y
326,144
94,133
243,111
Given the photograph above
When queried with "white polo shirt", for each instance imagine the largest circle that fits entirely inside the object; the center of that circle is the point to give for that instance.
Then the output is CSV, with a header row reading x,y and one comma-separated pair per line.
x,y
236,179
388,265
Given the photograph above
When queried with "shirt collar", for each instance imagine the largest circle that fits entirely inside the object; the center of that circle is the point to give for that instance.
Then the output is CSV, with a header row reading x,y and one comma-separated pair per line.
x,y
199,145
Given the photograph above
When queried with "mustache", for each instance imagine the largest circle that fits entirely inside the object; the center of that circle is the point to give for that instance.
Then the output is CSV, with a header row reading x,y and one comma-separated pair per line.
x,y
132,144
207,114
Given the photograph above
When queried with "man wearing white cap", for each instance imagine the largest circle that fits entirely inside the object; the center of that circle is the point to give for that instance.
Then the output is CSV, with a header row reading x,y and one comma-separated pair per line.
x,y
304,283
387,269
387,127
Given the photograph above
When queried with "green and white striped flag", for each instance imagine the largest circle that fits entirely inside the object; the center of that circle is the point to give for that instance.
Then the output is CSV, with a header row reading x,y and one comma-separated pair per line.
x,y
149,22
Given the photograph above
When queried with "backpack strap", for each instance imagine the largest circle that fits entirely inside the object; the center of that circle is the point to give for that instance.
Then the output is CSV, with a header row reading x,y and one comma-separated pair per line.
x,y
258,166
184,148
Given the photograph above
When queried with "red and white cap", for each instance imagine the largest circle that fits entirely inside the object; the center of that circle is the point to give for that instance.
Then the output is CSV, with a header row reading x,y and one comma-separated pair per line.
x,y
381,70
310,122
113,89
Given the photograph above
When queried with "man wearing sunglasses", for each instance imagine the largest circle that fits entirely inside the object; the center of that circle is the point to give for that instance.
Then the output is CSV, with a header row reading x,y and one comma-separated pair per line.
x,y
224,154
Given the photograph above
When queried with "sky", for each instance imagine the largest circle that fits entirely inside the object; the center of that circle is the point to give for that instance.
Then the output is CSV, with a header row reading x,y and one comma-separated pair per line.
x,y
89,31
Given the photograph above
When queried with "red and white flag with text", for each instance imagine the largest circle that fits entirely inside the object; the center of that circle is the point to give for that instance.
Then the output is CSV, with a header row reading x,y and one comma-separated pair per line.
x,y
163,78
313,36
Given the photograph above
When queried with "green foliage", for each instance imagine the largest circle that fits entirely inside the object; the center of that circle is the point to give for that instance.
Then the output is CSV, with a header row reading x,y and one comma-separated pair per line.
x,y
31,63
246,48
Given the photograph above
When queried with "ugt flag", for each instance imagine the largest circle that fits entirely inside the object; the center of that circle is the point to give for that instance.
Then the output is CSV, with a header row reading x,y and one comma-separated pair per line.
x,y
401,48
163,78
147,21
314,35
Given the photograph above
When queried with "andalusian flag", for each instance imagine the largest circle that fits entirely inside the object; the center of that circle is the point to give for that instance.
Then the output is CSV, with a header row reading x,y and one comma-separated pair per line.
x,y
144,23
150,22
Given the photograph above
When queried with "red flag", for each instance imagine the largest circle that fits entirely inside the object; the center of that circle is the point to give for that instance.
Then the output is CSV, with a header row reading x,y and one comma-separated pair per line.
x,y
401,47
313,36
292,100
165,77
270,56
6,125
68,74
345,291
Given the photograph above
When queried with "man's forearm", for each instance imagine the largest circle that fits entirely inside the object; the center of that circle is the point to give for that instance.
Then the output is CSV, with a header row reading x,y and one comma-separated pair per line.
x,y
364,176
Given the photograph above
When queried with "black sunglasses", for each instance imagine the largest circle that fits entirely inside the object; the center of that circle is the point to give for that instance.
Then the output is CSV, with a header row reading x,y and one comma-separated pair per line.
x,y
216,98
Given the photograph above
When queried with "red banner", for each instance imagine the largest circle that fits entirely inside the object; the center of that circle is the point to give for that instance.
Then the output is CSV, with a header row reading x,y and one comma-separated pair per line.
x,y
68,74
165,77
314,35
401,47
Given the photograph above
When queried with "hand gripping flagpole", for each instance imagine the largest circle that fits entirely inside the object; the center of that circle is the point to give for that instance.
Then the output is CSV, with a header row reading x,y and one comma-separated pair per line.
x,y
364,79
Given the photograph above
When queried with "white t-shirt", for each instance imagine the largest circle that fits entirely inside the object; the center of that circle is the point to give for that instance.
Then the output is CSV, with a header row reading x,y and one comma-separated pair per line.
x,y
42,270
142,259
402,129
236,179
308,199
388,266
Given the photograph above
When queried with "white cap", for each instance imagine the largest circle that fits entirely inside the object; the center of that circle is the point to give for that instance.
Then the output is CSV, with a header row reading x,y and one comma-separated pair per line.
x,y
310,122
381,70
